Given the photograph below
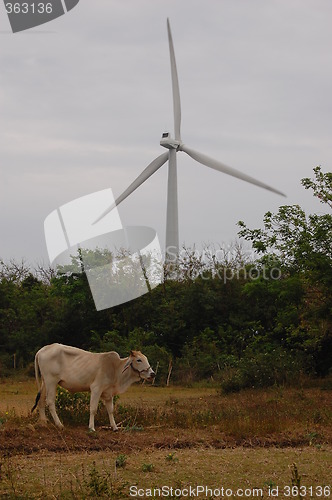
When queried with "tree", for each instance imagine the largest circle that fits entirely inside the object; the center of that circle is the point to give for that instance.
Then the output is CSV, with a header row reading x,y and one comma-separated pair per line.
x,y
301,245
298,241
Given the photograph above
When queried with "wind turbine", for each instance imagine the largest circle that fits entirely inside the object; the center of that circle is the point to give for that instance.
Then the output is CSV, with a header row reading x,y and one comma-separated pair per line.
x,y
174,146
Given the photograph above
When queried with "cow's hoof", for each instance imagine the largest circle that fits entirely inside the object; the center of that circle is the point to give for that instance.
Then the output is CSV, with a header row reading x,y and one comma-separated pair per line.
x,y
92,430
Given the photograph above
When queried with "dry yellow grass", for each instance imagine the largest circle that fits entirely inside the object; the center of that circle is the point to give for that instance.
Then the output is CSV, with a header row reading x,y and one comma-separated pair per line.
x,y
198,429
48,475
19,395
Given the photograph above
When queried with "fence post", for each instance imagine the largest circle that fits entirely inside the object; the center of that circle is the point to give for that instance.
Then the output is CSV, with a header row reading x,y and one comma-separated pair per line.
x,y
156,371
170,366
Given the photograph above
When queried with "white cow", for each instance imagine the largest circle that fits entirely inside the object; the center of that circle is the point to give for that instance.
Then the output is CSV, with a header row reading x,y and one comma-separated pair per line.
x,y
103,374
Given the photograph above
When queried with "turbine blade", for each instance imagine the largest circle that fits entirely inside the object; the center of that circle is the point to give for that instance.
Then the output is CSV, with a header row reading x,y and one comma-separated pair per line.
x,y
175,87
147,172
217,165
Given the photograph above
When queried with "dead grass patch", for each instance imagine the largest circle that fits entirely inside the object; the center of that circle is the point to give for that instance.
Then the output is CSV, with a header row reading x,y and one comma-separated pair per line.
x,y
272,417
69,475
249,439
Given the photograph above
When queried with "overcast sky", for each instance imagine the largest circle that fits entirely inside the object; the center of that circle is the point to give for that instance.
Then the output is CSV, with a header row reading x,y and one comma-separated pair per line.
x,y
84,101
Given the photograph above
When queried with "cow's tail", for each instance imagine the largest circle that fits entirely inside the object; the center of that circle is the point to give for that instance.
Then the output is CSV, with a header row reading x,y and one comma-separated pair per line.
x,y
39,382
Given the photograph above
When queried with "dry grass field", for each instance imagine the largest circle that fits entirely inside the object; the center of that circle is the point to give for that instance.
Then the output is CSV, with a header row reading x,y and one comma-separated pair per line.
x,y
172,437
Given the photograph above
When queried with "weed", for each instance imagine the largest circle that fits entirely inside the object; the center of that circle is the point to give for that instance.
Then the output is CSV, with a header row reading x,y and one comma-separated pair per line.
x,y
134,428
98,483
11,414
147,467
270,484
72,408
313,438
296,481
121,460
75,408
8,474
171,457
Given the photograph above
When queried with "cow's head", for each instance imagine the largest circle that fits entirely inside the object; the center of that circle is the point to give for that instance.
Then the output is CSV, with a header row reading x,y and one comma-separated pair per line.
x,y
140,365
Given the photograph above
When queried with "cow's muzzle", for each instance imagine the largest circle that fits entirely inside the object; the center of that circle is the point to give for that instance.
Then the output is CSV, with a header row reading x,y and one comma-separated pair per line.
x,y
148,374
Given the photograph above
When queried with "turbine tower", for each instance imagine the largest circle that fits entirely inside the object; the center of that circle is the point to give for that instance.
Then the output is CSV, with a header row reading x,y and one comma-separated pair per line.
x,y
173,146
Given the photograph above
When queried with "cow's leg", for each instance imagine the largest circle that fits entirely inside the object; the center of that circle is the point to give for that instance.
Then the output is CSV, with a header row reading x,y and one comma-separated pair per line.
x,y
108,402
50,401
94,400
41,404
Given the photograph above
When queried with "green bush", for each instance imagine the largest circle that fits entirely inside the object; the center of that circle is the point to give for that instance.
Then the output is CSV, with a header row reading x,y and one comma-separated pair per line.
x,y
75,408
262,369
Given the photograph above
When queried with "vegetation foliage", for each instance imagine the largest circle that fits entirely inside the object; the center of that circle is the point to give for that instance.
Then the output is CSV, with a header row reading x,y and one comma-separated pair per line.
x,y
247,321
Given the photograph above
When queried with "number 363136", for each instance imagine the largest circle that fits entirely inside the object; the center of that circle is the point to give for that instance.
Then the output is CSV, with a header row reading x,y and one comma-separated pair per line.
x,y
29,8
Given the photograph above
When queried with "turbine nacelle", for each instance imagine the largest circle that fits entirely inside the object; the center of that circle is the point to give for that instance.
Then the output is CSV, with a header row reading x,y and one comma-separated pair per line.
x,y
168,142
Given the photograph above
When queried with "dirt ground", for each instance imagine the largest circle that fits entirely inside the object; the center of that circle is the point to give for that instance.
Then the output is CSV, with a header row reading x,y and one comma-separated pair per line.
x,y
34,438
174,418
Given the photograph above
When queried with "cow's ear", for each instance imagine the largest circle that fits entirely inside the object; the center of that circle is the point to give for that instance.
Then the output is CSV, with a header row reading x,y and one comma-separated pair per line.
x,y
132,354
